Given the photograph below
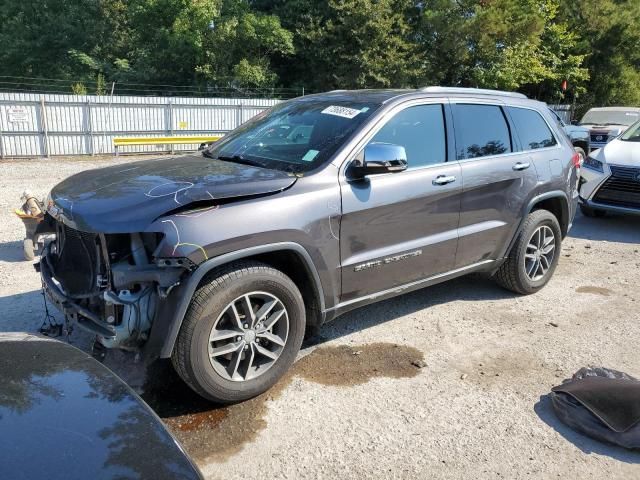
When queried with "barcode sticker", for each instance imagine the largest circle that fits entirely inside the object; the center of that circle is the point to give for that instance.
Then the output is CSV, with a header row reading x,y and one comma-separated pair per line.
x,y
344,112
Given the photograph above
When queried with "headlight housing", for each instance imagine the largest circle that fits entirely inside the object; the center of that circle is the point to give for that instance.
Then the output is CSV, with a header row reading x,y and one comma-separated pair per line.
x,y
593,164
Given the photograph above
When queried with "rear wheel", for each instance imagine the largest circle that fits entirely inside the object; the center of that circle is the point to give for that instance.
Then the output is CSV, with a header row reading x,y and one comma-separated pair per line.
x,y
592,212
534,256
241,333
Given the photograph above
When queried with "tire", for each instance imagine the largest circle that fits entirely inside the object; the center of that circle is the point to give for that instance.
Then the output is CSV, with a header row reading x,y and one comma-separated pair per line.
x,y
592,212
28,249
513,273
211,307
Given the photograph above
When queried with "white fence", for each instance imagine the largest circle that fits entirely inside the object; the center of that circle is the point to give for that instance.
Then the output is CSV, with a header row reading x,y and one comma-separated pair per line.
x,y
564,111
47,124
33,125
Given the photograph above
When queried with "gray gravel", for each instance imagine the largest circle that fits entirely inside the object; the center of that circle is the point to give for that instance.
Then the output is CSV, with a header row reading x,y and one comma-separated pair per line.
x,y
447,382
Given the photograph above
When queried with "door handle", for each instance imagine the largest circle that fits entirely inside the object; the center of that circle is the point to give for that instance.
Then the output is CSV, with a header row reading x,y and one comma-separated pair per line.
x,y
521,166
444,179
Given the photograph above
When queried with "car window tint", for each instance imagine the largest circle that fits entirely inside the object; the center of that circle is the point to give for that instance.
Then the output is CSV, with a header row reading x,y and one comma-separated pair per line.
x,y
481,130
420,130
532,130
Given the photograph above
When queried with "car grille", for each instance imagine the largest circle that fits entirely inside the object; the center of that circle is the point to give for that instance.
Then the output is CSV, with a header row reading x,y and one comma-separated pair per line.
x,y
76,263
599,137
621,189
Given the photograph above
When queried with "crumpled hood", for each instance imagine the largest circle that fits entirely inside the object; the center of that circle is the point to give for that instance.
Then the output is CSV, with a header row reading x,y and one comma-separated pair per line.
x,y
127,198
619,152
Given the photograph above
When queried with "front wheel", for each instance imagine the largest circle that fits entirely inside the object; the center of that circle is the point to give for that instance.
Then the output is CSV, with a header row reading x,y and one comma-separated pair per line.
x,y
534,256
241,333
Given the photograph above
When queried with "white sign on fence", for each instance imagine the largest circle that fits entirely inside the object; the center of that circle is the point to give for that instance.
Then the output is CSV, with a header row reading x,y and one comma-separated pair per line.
x,y
17,114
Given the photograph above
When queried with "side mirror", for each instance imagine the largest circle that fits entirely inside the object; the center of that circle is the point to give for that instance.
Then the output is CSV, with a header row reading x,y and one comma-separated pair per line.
x,y
379,158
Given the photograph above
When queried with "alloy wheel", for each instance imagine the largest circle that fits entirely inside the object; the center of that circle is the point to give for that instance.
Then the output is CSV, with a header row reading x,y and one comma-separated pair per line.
x,y
540,252
248,336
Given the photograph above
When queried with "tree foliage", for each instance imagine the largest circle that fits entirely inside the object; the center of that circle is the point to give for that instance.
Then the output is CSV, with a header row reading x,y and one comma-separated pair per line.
x,y
525,45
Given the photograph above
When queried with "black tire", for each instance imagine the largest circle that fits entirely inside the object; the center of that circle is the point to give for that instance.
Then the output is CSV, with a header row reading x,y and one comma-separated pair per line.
x,y
512,274
592,212
190,356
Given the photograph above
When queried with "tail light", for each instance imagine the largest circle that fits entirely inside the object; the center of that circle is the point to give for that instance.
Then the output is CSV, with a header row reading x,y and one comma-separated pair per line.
x,y
576,160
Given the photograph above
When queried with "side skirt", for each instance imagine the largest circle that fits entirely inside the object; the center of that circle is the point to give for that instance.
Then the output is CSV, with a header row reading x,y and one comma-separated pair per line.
x,y
344,307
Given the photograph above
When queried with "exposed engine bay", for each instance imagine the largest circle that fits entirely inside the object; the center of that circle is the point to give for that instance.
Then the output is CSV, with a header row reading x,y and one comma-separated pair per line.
x,y
108,284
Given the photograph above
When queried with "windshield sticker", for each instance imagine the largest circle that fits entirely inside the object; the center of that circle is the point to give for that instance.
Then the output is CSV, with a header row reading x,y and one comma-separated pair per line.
x,y
364,109
344,112
310,155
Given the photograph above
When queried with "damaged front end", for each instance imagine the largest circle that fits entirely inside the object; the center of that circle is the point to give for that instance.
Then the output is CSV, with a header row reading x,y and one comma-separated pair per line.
x,y
108,284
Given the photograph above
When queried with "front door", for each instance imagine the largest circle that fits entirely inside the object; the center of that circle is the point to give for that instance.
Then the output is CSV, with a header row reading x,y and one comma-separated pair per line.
x,y
397,228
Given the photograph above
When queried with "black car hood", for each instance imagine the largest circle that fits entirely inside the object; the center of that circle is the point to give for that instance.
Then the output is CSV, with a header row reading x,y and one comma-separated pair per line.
x,y
127,198
63,415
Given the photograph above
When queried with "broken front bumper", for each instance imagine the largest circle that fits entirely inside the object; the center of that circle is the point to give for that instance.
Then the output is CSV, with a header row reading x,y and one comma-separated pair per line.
x,y
82,316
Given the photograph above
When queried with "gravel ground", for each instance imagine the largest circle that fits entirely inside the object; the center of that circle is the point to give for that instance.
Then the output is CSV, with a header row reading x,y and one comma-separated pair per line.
x,y
446,382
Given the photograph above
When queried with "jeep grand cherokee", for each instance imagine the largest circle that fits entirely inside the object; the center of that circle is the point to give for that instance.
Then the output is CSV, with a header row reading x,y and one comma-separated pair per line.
x,y
317,206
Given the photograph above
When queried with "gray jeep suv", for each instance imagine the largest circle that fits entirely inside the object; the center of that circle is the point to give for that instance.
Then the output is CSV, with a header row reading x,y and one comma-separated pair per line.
x,y
222,260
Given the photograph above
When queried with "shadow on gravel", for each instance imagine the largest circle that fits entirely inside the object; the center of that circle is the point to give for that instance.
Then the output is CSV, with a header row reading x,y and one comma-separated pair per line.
x,y
12,252
470,288
22,311
612,228
544,410
214,433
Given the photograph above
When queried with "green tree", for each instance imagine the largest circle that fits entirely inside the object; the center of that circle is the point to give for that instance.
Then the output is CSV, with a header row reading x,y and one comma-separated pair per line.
x,y
503,44
349,43
240,46
609,37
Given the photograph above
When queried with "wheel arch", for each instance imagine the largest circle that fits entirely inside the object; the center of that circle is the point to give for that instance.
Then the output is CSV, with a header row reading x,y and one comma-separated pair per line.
x,y
289,257
556,202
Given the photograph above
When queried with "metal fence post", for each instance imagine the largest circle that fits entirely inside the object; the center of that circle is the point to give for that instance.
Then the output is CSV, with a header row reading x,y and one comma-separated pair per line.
x,y
45,132
239,112
169,122
88,128
1,142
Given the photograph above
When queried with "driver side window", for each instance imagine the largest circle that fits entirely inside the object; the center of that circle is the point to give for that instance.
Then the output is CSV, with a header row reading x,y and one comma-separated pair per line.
x,y
421,131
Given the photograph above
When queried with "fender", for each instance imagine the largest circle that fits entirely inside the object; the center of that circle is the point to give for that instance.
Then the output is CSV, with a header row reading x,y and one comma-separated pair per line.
x,y
166,326
529,207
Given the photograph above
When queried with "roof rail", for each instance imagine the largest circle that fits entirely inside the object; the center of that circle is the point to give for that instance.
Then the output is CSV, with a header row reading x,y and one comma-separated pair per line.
x,y
473,91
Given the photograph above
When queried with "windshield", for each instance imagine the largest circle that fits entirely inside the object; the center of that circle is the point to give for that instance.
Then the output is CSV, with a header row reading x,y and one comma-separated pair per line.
x,y
632,134
295,136
609,117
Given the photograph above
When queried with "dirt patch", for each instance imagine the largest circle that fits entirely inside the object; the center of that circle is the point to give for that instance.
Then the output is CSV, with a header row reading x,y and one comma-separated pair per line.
x,y
343,366
605,292
214,433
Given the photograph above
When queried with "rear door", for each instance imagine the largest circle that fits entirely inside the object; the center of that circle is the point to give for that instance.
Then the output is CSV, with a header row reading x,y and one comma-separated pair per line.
x,y
497,179
402,227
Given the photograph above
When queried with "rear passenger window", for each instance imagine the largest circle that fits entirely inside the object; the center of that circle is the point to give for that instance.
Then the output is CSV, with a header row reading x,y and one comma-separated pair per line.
x,y
532,130
420,130
481,130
